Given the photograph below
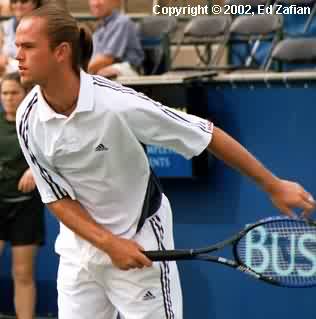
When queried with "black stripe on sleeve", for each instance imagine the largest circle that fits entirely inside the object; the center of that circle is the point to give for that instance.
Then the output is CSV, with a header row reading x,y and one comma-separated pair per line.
x,y
168,111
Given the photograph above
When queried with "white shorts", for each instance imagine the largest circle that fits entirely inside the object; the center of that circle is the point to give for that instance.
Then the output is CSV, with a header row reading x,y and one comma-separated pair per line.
x,y
96,289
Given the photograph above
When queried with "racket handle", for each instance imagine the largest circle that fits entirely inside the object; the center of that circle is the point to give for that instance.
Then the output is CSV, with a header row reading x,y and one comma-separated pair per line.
x,y
163,255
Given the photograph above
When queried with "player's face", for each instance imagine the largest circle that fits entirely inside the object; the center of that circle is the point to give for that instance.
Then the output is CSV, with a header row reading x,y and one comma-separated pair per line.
x,y
102,8
36,59
12,94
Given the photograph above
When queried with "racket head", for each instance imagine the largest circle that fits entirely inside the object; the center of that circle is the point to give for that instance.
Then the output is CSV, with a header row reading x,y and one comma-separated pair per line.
x,y
281,250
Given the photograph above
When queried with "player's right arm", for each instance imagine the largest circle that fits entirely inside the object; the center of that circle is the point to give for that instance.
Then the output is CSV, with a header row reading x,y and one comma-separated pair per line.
x,y
125,254
60,198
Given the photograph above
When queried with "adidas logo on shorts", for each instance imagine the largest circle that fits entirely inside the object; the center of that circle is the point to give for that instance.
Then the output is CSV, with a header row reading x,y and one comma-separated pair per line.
x,y
148,296
101,148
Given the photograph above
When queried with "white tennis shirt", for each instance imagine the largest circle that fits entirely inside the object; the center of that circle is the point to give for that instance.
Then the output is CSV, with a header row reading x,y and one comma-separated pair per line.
x,y
95,155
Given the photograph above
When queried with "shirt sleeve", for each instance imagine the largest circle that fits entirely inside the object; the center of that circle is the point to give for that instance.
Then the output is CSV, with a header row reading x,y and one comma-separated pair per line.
x,y
9,47
154,123
51,185
115,40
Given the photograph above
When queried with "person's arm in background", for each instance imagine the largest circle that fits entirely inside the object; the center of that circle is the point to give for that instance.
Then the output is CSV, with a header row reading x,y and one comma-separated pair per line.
x,y
284,194
4,60
26,182
113,46
98,62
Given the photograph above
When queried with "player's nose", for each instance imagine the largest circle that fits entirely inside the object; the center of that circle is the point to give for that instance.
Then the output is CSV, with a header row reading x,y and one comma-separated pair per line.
x,y
19,54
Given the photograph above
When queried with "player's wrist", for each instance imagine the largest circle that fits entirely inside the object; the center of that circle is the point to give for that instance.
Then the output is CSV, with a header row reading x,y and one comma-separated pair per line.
x,y
106,241
271,184
262,177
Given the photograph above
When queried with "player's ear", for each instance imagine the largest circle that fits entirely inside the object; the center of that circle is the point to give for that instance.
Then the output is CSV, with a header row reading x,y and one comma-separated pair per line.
x,y
63,52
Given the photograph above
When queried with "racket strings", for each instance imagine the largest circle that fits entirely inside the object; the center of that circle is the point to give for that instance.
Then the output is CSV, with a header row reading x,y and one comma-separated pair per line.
x,y
284,250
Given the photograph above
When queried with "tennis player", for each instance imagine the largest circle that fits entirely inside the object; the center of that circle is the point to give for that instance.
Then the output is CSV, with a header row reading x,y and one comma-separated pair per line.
x,y
82,136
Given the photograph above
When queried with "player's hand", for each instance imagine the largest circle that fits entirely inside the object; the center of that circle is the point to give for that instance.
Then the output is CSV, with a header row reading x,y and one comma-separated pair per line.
x,y
26,182
287,195
127,254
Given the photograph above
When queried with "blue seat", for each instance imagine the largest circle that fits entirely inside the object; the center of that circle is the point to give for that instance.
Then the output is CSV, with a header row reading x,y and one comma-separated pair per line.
x,y
155,34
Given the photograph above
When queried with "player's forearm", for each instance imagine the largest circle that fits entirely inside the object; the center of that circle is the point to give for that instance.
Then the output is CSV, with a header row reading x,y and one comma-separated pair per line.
x,y
76,218
235,155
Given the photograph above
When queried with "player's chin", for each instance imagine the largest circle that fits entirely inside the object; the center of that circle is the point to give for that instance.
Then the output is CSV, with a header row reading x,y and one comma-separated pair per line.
x,y
25,80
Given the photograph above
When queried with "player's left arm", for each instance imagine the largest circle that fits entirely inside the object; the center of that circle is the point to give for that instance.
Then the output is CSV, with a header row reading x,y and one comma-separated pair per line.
x,y
285,195
189,135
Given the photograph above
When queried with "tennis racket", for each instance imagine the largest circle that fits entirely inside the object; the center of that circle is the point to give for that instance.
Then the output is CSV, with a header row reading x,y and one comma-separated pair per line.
x,y
278,250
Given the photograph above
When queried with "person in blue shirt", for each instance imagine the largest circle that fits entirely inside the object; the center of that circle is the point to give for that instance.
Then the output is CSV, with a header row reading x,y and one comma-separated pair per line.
x,y
117,48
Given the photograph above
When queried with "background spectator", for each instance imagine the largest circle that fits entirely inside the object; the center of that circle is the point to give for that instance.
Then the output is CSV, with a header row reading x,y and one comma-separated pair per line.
x,y
5,8
21,209
19,8
117,48
7,63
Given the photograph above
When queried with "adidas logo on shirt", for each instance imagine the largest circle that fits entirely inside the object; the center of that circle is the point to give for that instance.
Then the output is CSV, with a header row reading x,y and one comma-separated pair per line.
x,y
148,296
101,148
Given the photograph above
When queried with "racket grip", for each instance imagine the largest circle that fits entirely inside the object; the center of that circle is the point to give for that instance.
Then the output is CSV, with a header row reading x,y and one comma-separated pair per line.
x,y
164,255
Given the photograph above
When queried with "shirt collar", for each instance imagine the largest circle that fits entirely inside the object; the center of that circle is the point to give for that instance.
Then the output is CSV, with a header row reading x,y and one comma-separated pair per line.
x,y
110,17
15,23
85,101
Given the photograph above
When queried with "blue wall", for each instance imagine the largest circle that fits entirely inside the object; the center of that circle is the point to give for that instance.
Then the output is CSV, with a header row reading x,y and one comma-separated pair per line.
x,y
277,125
